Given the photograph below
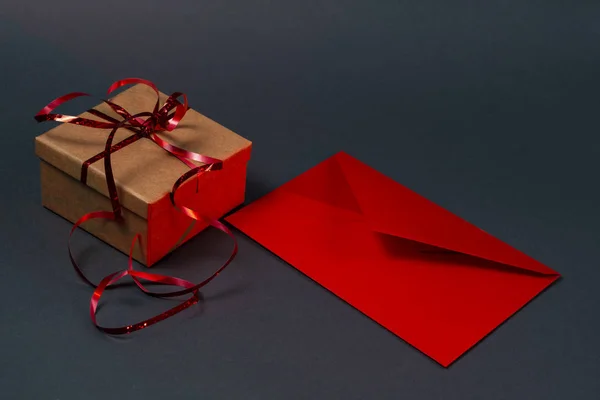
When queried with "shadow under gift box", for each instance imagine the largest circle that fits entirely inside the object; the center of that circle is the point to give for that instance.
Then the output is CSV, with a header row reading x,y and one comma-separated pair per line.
x,y
144,174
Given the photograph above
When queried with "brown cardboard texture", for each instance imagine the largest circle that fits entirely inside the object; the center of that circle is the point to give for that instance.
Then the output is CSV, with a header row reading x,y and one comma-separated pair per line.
x,y
144,174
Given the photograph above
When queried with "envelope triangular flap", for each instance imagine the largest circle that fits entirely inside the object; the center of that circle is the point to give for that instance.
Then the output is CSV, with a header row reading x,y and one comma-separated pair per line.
x,y
325,183
393,209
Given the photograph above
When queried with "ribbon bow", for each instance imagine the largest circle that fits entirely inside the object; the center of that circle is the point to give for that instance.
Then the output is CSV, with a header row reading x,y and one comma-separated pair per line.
x,y
143,125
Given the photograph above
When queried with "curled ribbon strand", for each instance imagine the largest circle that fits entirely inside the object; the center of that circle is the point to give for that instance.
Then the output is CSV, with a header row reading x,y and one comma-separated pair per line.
x,y
165,118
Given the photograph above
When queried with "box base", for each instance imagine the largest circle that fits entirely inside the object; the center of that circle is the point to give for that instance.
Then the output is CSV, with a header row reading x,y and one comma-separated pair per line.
x,y
72,199
213,194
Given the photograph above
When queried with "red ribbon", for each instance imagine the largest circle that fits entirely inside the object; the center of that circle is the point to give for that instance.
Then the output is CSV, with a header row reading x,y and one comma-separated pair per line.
x,y
143,125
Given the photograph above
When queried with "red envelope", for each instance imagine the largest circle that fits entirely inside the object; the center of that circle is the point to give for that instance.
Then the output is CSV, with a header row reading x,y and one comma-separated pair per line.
x,y
430,277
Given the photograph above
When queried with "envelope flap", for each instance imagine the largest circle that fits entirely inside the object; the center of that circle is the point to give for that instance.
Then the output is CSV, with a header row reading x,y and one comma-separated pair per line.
x,y
325,183
393,209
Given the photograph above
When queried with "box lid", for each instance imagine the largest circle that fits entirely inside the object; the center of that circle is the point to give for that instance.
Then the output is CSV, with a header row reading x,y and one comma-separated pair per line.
x,y
143,171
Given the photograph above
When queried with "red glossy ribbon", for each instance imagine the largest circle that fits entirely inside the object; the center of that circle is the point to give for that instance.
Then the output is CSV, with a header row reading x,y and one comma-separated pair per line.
x,y
143,125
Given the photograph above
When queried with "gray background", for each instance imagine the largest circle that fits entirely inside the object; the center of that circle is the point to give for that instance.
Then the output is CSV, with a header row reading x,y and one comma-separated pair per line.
x,y
488,108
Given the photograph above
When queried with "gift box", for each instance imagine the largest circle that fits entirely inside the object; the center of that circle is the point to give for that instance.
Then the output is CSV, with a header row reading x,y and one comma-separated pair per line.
x,y
144,174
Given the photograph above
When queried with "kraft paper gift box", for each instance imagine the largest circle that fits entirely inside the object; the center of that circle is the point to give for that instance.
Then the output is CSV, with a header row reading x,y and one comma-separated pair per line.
x,y
144,174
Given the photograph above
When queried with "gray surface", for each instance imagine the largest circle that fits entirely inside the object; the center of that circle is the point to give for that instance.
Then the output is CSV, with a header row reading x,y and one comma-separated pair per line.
x,y
488,108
